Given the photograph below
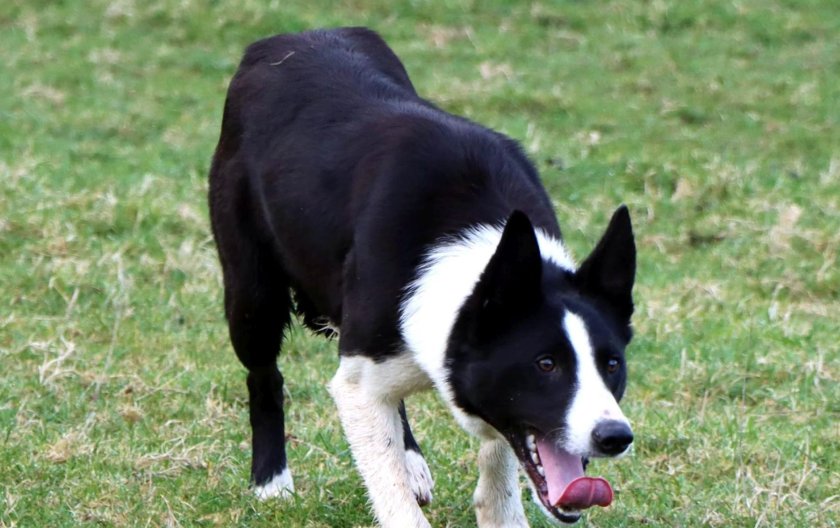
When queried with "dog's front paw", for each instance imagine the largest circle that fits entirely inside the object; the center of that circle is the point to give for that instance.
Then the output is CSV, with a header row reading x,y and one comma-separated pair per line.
x,y
279,486
419,477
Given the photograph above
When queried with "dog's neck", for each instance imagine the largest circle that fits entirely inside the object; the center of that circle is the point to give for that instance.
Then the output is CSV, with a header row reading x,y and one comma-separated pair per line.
x,y
445,279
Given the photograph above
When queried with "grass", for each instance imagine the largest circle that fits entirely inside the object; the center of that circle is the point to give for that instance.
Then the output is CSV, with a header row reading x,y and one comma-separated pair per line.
x,y
717,122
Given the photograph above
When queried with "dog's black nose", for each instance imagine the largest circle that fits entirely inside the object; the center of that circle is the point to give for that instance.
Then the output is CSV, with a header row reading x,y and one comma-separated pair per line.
x,y
612,437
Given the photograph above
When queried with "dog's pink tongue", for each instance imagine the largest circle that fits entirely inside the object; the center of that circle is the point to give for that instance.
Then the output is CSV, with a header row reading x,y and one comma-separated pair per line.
x,y
568,488
585,492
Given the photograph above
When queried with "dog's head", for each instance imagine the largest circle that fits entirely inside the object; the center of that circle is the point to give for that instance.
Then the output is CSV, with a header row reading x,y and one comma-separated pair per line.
x,y
537,352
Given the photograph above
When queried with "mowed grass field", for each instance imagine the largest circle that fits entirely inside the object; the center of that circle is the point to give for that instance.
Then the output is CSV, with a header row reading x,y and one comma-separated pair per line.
x,y
717,122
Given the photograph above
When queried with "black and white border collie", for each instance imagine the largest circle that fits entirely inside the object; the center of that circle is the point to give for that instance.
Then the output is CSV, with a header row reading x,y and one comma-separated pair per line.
x,y
429,245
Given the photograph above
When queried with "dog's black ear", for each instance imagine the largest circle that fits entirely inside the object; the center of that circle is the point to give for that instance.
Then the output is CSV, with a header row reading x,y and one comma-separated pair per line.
x,y
510,284
609,271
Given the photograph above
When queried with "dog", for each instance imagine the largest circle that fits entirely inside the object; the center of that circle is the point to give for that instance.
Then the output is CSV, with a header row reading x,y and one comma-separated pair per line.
x,y
428,244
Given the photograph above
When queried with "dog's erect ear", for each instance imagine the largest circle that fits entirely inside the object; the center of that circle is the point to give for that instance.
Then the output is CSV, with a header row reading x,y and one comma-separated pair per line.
x,y
609,271
511,282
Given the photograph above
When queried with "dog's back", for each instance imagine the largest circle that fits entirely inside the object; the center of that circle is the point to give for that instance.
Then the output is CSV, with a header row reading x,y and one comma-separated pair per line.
x,y
354,171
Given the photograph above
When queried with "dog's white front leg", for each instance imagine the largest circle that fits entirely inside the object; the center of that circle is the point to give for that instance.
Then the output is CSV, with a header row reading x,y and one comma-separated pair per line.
x,y
498,499
373,428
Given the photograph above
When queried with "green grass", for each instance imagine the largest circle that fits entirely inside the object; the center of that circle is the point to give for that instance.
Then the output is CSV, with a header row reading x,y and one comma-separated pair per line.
x,y
717,122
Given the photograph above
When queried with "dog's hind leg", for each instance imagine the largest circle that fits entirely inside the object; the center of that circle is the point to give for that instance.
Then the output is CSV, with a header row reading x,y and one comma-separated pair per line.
x,y
419,475
368,407
257,318
257,306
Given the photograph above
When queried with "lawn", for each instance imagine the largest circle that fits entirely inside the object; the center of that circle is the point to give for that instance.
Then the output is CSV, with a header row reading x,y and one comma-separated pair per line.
x,y
717,122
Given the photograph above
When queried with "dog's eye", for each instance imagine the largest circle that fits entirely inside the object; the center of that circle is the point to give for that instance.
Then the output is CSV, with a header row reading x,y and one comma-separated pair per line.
x,y
612,365
546,364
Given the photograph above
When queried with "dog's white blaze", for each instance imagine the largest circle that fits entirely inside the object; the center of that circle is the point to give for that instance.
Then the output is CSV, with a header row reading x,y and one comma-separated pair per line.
x,y
280,486
592,401
446,278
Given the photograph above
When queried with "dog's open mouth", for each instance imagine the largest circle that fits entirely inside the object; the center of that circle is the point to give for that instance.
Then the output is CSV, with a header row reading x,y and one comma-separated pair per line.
x,y
558,477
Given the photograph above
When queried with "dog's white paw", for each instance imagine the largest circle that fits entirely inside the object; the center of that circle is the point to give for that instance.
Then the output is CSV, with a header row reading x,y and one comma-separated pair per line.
x,y
419,477
280,486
